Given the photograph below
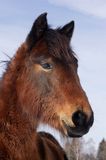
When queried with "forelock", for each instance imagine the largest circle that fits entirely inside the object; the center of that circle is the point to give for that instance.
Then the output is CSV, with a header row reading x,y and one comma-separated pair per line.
x,y
58,45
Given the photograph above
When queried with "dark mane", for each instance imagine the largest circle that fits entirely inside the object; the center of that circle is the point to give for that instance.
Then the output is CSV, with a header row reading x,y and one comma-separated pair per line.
x,y
59,46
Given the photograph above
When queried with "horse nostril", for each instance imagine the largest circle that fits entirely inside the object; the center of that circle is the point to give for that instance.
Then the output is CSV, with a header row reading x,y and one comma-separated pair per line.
x,y
79,118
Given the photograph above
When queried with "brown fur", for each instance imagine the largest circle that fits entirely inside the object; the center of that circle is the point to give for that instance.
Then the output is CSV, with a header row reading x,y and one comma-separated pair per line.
x,y
30,94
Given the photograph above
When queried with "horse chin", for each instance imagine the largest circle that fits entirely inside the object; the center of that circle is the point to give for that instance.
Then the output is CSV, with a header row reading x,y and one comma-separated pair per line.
x,y
75,131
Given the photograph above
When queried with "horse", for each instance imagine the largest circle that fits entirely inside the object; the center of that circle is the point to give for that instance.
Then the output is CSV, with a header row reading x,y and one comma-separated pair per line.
x,y
41,85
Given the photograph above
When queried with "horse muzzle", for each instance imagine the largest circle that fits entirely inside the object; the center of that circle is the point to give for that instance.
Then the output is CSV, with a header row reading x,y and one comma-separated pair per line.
x,y
81,124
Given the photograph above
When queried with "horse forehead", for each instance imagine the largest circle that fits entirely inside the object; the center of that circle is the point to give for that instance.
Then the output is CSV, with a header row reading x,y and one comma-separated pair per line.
x,y
55,45
51,40
59,46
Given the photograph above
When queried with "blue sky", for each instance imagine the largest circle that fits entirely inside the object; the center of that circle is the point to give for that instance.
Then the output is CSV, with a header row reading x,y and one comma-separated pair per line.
x,y
89,42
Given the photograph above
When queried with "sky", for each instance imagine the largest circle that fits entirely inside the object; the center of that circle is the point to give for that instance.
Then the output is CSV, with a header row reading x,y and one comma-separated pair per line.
x,y
89,43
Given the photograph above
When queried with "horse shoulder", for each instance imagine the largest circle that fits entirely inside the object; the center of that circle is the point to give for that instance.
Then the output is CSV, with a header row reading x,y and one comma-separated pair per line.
x,y
4,153
49,148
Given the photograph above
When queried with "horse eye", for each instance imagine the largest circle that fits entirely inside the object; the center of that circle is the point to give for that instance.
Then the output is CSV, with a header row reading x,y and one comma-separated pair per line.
x,y
47,66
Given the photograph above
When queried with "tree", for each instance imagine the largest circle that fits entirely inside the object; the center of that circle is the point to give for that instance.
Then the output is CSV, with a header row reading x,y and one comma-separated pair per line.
x,y
79,149
101,154
74,149
88,157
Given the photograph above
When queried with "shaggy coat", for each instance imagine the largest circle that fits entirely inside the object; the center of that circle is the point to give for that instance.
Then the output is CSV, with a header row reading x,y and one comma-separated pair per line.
x,y
41,84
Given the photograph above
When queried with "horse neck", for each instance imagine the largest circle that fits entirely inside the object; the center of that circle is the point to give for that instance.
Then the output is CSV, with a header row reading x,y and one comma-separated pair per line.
x,y
10,109
9,98
7,89
8,81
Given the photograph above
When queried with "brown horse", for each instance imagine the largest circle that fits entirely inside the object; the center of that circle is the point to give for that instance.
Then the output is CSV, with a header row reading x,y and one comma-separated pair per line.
x,y
41,84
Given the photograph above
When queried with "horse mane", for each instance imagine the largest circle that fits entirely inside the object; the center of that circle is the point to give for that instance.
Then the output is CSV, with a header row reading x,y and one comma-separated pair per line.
x,y
58,45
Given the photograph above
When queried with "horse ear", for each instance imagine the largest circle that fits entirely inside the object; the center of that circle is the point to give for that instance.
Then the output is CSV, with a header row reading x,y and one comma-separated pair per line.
x,y
39,27
68,29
